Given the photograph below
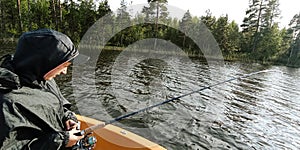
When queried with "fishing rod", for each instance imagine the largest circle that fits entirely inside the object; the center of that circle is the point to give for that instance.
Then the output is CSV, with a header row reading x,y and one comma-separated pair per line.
x,y
101,125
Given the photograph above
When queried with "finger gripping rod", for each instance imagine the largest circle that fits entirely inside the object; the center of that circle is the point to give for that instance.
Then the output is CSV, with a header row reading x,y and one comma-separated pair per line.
x,y
90,129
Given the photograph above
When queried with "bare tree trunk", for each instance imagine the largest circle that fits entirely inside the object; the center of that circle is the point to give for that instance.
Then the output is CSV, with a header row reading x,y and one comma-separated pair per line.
x,y
157,16
183,42
156,23
60,14
257,27
292,50
1,16
54,14
19,15
29,14
3,19
290,56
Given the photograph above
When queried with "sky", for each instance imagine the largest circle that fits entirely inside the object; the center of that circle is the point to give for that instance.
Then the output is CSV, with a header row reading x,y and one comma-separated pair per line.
x,y
234,8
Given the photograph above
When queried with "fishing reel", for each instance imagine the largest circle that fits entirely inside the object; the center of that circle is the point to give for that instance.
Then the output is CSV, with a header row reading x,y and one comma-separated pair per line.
x,y
86,143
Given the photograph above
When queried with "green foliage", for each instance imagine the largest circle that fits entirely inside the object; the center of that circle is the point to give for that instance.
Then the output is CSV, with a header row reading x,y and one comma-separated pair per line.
x,y
269,44
293,54
234,38
69,16
209,20
186,26
260,38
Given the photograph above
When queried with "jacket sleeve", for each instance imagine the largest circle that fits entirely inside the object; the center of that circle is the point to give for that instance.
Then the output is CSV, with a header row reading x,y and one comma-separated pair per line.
x,y
50,141
19,133
54,141
68,114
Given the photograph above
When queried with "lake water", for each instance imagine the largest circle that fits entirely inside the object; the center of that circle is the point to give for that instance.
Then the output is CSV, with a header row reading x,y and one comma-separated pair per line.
x,y
258,112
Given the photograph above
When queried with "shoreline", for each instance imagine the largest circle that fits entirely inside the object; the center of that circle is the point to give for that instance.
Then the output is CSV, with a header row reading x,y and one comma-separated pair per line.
x,y
10,43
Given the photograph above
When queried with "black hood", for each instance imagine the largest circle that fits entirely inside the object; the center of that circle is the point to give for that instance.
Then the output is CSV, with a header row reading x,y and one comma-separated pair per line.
x,y
40,51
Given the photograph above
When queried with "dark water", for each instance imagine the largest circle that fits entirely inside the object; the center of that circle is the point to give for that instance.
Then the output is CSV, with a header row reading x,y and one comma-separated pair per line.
x,y
258,112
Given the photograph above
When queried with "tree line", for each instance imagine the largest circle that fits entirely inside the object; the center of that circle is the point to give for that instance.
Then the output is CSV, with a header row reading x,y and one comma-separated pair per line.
x,y
258,38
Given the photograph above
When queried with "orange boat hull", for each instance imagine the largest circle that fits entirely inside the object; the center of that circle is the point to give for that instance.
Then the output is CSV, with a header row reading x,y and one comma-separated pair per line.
x,y
114,138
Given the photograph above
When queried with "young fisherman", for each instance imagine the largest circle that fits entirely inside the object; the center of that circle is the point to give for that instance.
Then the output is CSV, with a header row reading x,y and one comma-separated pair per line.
x,y
33,112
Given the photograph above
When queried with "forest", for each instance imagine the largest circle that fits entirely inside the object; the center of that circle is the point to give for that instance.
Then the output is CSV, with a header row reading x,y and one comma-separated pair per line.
x,y
258,39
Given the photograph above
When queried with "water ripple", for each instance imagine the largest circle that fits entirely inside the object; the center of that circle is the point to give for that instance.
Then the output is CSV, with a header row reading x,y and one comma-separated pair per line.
x,y
258,112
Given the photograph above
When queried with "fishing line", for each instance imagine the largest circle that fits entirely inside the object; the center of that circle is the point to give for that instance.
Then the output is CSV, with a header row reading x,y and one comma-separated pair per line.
x,y
98,126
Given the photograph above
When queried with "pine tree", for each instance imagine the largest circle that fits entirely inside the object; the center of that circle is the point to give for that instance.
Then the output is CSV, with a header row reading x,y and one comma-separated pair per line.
x,y
122,20
295,45
209,20
20,16
185,25
220,33
271,13
234,38
259,24
156,12
252,24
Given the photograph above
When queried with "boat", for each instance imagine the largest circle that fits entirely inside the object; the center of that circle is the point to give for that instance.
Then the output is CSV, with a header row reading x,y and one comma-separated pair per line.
x,y
115,138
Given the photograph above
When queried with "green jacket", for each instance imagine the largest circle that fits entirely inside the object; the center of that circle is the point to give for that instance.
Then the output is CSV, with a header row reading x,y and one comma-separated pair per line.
x,y
32,118
33,111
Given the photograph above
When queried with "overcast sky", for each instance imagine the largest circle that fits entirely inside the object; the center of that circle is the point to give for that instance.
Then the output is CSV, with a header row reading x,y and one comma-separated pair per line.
x,y
234,8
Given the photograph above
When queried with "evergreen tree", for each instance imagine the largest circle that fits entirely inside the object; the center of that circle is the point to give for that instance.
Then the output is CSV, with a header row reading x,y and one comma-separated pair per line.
x,y
9,18
269,44
220,33
252,24
122,20
87,15
271,13
103,9
260,36
156,12
234,38
260,24
209,20
295,44
71,25
185,25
